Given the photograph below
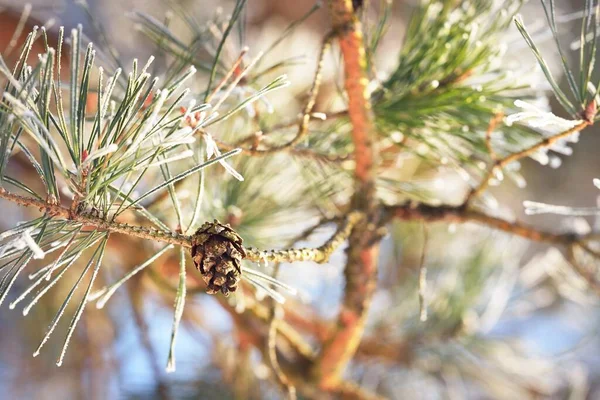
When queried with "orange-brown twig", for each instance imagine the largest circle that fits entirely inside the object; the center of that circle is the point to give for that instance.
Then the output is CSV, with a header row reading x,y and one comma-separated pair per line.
x,y
308,108
496,119
300,152
503,162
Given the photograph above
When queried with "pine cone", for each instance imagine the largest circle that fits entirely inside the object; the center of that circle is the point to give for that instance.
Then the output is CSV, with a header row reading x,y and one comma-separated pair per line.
x,y
217,252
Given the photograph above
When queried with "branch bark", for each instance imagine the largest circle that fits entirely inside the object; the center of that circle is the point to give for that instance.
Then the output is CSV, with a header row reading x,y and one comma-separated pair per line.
x,y
461,214
319,255
59,211
503,162
361,266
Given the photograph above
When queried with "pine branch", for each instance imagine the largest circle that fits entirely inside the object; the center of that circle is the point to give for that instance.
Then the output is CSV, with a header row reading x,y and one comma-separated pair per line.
x,y
442,93
503,162
305,118
361,265
461,214
319,255
66,213
113,149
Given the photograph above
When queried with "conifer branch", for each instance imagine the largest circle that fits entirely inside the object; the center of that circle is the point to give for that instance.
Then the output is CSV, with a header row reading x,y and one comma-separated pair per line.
x,y
257,136
319,255
503,162
307,112
461,214
361,266
421,90
59,211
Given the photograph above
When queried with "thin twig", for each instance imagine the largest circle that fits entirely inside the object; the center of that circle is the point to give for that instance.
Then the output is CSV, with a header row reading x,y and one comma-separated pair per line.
x,y
320,254
59,211
282,378
423,278
287,125
300,152
503,162
496,119
308,108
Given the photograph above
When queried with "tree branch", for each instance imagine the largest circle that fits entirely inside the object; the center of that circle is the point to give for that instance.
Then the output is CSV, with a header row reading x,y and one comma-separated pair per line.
x,y
308,108
361,266
296,151
503,162
59,211
461,214
320,254
315,115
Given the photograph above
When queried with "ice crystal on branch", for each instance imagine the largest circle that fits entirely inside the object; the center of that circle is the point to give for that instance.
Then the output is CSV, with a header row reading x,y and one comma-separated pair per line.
x,y
104,158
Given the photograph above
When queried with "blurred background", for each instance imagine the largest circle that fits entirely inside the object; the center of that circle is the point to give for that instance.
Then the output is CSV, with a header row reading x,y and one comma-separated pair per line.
x,y
509,320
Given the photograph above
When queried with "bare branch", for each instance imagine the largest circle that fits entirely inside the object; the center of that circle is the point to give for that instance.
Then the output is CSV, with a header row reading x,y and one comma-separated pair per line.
x,y
320,254
461,214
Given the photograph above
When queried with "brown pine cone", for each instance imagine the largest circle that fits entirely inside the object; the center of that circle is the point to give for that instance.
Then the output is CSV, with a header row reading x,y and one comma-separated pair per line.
x,y
217,252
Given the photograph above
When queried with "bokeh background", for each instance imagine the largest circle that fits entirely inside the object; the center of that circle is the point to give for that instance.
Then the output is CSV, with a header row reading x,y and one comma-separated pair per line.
x,y
120,352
